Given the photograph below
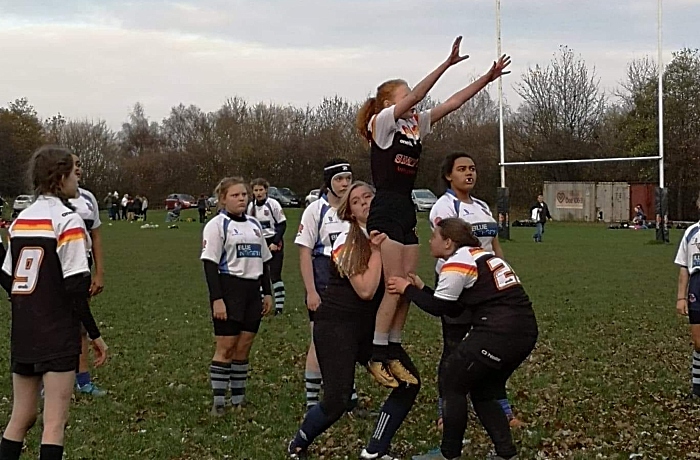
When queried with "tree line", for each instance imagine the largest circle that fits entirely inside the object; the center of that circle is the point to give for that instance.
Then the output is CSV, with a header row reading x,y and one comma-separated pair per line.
x,y
564,114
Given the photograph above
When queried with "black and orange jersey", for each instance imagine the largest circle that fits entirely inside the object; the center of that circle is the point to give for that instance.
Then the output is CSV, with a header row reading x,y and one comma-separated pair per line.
x,y
48,246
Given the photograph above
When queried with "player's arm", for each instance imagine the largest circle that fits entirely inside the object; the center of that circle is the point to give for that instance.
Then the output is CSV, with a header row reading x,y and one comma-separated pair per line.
x,y
6,269
497,248
98,284
682,302
458,99
365,284
307,269
212,242
305,240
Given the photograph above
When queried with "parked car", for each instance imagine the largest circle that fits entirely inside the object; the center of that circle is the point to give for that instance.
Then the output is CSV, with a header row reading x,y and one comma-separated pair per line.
x,y
423,199
187,201
312,196
21,203
293,197
212,201
273,192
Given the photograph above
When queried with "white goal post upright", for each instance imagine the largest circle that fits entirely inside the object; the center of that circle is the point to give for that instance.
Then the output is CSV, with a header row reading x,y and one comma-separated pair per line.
x,y
661,193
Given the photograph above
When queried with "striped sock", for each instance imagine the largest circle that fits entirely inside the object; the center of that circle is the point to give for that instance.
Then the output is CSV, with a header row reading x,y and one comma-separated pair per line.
x,y
313,388
218,375
505,405
239,378
280,294
696,373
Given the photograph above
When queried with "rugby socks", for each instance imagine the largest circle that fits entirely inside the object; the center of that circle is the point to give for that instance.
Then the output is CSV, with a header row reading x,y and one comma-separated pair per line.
x,y
10,450
239,378
50,452
314,424
380,346
313,388
696,373
395,344
82,378
393,413
505,405
219,376
280,294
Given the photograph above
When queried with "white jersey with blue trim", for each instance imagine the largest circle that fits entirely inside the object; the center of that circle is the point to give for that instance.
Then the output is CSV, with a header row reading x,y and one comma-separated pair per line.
x,y
319,227
688,255
269,215
477,213
86,207
238,248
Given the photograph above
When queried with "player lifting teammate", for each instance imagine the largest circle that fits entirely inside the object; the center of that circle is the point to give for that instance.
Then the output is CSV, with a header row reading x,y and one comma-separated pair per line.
x,y
503,334
343,330
47,276
390,123
236,265
459,174
269,213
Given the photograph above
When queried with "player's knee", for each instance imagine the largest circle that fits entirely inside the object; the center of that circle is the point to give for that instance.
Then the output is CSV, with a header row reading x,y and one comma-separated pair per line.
x,y
334,406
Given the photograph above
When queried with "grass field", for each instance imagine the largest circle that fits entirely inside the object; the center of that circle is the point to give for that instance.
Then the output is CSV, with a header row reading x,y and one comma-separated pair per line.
x,y
607,379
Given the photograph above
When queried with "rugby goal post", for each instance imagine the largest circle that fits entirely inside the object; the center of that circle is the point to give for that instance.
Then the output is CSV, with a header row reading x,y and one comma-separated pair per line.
x,y
503,198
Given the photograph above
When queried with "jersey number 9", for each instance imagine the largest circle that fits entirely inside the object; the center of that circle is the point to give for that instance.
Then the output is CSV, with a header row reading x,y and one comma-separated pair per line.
x,y
27,271
503,275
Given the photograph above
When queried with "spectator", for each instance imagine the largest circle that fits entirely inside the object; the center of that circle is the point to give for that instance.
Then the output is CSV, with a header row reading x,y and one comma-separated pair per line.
x,y
202,208
539,213
130,211
137,207
144,207
124,205
174,215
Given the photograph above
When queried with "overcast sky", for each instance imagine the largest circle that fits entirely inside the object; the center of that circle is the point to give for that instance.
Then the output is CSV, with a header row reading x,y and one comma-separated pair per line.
x,y
95,58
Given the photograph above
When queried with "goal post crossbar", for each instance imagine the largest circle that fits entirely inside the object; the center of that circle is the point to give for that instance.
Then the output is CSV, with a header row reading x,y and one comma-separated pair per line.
x,y
585,160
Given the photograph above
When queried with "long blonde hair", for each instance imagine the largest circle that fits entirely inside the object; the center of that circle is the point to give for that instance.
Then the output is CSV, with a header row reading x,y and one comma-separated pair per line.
x,y
353,258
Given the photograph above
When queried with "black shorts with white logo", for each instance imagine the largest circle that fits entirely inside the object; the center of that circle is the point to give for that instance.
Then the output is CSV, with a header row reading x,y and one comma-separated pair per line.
x,y
243,306
394,215
65,364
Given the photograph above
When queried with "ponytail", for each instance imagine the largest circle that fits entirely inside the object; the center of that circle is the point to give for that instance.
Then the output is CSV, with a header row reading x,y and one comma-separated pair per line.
x,y
364,116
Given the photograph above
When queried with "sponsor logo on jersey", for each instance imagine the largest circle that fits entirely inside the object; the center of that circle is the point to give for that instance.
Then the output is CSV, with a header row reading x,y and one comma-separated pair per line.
x,y
485,229
406,161
266,212
265,224
696,260
696,243
692,298
333,236
248,250
257,232
301,229
490,356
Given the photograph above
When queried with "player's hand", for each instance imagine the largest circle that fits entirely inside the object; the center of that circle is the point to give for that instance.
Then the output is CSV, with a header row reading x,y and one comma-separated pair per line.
x,y
454,57
397,285
376,239
99,348
274,247
97,285
416,281
267,305
219,308
498,68
313,300
682,307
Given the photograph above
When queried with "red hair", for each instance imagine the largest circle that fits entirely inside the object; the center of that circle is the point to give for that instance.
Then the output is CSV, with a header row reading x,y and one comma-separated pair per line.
x,y
374,105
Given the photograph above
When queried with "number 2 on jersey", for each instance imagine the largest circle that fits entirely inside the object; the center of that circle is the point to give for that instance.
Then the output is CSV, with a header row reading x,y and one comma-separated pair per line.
x,y
502,273
27,271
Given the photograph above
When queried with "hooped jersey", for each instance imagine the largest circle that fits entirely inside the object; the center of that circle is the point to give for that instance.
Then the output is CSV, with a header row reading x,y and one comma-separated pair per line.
x,y
87,208
477,213
269,215
319,227
237,247
487,287
395,149
688,255
48,243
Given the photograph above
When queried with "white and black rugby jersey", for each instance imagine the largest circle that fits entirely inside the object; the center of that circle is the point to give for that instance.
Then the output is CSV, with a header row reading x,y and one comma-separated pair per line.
x,y
688,255
477,213
238,248
87,208
319,228
269,214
